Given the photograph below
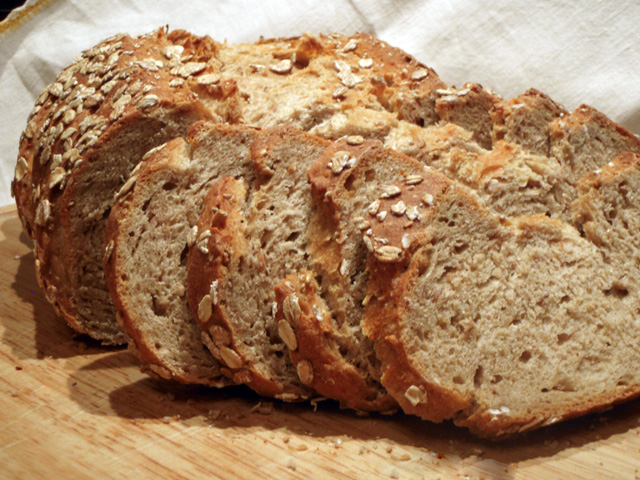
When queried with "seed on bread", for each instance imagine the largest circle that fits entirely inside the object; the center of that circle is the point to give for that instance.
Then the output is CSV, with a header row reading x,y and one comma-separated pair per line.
x,y
230,357
126,188
419,74
413,179
205,308
305,371
108,250
381,215
291,308
390,191
148,101
221,335
355,140
338,161
415,395
208,79
388,253
287,335
398,208
284,66
427,198
350,46
188,69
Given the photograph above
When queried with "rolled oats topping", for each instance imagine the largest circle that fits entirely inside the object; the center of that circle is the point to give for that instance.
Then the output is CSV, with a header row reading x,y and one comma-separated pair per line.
x,y
205,308
419,74
398,208
287,335
283,66
415,395
230,357
305,371
390,191
291,308
388,253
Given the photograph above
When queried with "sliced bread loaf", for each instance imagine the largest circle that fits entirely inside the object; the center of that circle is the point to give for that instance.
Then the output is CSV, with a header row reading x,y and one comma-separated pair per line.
x,y
505,325
147,241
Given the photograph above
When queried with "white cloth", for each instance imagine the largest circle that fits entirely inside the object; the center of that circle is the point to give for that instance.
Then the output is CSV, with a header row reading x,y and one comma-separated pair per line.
x,y
576,52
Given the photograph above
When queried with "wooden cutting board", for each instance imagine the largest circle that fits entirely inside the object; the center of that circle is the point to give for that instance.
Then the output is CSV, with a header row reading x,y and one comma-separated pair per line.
x,y
70,408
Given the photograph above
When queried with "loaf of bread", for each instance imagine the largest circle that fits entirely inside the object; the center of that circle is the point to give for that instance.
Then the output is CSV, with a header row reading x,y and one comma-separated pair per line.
x,y
322,215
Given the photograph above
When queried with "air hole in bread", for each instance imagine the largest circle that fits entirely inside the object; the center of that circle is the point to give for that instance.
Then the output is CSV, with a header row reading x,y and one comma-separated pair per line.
x,y
565,384
169,186
617,291
533,184
525,356
184,255
159,307
478,376
370,175
563,337
348,184
460,248
496,379
266,238
293,236
146,204
458,380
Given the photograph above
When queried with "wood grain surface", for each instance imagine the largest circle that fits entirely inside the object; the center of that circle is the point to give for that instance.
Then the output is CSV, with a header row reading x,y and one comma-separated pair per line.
x,y
70,408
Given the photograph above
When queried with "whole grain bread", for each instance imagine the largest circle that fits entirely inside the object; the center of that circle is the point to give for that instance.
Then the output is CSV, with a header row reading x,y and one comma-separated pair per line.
x,y
129,94
541,333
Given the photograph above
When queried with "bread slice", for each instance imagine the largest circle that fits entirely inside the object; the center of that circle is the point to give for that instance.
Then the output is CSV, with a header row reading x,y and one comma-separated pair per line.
x,y
505,325
147,241
128,94
253,233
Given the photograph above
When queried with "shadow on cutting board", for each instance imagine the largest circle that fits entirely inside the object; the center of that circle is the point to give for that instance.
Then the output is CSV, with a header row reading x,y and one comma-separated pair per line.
x,y
33,330
238,410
